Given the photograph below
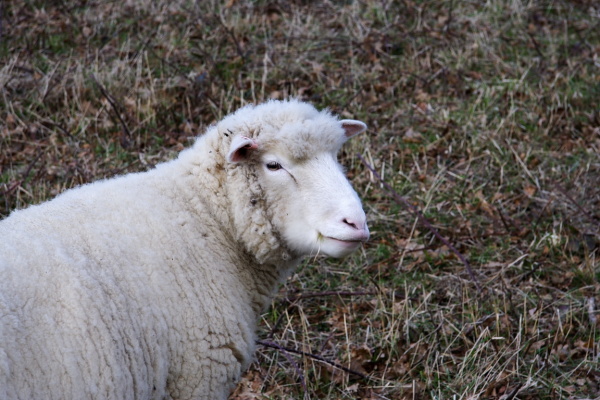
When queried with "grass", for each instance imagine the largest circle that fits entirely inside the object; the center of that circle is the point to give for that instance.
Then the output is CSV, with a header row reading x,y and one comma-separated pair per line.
x,y
483,115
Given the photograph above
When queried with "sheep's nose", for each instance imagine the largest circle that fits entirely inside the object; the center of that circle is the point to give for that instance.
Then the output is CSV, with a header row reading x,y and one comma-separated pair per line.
x,y
354,224
359,225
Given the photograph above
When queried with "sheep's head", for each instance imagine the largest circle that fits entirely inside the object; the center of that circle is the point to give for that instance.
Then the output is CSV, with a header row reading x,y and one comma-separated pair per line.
x,y
310,202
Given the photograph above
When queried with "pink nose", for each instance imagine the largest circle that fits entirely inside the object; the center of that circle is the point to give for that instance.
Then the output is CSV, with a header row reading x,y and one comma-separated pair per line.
x,y
359,225
354,224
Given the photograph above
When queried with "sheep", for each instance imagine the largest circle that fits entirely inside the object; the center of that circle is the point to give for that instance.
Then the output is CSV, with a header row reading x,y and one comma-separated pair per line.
x,y
150,285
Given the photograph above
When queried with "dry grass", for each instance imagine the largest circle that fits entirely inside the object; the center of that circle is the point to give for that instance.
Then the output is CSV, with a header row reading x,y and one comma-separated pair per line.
x,y
483,115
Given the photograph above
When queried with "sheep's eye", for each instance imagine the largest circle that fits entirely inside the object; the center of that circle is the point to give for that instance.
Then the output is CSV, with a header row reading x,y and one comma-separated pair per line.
x,y
273,166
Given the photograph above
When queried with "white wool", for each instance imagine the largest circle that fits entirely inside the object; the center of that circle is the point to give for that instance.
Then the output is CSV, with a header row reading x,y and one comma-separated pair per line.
x,y
149,285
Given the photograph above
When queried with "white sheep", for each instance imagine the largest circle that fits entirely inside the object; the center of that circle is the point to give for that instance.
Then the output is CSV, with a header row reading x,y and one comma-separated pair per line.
x,y
149,285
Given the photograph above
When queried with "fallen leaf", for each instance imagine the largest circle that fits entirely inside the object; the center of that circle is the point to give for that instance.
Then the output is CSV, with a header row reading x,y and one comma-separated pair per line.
x,y
529,190
410,136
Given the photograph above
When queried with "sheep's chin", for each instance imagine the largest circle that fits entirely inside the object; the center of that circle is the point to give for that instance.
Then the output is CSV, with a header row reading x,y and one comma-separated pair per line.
x,y
337,248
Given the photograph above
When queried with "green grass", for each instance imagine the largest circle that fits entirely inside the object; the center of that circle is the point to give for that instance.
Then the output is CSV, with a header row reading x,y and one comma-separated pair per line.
x,y
483,115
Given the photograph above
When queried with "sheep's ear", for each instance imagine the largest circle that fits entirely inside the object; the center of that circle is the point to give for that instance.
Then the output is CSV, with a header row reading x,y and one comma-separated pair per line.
x,y
240,148
353,127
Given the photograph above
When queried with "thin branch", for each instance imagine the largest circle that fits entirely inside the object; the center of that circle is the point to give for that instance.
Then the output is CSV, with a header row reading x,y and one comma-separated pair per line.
x,y
536,46
230,32
506,226
1,19
55,125
541,214
448,26
25,175
113,104
593,218
290,359
277,323
514,392
292,299
313,356
402,201
583,38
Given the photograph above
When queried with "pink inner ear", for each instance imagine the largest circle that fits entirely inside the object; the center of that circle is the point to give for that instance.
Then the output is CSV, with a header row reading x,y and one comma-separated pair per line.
x,y
240,147
353,127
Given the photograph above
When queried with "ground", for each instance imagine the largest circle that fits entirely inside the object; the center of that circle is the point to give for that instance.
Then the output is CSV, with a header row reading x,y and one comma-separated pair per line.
x,y
480,171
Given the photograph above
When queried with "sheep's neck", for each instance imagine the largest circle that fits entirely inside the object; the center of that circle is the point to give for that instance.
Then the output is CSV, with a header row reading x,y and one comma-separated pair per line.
x,y
229,207
231,197
266,280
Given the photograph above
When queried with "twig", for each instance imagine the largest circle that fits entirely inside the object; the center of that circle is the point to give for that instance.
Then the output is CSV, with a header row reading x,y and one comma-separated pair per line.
x,y
506,226
290,359
536,46
583,39
541,214
233,37
25,175
114,106
313,356
1,18
514,392
449,20
277,323
57,126
402,201
593,218
292,299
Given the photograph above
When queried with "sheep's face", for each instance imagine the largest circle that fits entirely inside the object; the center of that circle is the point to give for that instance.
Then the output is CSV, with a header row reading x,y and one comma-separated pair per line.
x,y
312,204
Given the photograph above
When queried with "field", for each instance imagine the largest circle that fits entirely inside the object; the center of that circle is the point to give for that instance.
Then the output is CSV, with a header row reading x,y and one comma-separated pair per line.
x,y
480,171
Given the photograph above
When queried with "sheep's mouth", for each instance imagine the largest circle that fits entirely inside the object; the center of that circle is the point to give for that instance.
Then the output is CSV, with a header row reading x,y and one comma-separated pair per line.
x,y
337,247
345,242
